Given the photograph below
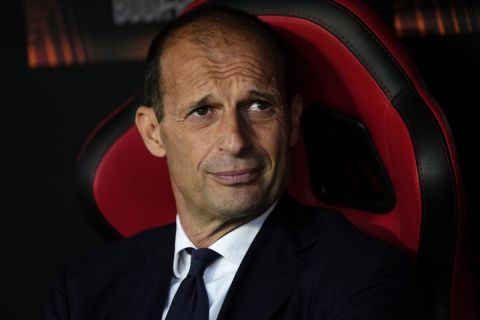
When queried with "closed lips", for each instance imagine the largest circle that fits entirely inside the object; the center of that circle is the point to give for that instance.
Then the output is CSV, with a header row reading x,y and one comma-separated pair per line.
x,y
237,176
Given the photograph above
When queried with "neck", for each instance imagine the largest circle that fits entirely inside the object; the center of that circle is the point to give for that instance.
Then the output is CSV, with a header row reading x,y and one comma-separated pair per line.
x,y
204,233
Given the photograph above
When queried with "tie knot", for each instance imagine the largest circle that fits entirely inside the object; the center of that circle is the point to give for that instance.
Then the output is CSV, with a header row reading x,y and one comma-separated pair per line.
x,y
201,259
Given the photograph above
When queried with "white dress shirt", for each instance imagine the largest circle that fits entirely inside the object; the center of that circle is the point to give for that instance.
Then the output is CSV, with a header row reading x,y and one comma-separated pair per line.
x,y
218,277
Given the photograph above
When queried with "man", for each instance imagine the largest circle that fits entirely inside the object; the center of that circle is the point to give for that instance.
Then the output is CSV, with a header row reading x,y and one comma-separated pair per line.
x,y
220,110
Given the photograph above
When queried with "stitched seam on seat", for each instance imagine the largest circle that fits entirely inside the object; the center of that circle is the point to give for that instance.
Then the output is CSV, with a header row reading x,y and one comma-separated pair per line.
x,y
452,180
415,148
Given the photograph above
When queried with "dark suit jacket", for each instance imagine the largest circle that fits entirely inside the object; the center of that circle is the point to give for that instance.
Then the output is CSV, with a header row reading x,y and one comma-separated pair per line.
x,y
305,263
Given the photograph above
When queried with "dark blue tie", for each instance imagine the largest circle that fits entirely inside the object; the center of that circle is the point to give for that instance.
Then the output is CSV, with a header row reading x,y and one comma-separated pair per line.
x,y
191,300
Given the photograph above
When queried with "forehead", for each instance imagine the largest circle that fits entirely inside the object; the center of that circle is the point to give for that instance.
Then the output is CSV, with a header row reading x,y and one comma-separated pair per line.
x,y
216,53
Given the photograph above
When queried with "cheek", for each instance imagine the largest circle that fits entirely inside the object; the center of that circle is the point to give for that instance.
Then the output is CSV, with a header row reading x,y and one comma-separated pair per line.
x,y
189,150
275,143
175,149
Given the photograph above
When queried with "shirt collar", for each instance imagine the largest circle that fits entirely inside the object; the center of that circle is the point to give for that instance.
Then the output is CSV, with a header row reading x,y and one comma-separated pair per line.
x,y
233,246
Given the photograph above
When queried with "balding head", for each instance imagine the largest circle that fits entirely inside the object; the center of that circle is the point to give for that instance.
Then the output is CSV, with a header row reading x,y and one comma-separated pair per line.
x,y
212,30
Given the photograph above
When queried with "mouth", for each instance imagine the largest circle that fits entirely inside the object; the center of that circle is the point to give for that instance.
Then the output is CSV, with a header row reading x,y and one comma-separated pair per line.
x,y
236,177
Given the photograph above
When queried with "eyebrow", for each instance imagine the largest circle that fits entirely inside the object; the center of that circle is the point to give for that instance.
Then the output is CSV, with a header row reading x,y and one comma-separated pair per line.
x,y
198,103
261,95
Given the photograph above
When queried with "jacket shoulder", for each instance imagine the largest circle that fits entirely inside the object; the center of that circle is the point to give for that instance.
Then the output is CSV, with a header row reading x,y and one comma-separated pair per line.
x,y
86,286
111,260
341,246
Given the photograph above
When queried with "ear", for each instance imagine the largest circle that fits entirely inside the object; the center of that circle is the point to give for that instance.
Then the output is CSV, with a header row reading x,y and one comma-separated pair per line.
x,y
296,109
149,128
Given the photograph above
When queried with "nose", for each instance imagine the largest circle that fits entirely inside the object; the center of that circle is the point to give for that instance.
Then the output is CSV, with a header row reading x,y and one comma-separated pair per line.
x,y
234,136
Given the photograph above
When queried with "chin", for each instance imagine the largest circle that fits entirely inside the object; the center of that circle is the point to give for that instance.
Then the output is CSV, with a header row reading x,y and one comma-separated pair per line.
x,y
242,204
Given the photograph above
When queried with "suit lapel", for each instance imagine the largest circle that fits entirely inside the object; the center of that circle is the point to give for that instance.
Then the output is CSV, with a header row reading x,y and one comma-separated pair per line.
x,y
272,265
142,294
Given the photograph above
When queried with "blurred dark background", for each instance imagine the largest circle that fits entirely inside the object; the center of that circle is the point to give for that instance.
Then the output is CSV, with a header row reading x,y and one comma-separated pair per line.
x,y
51,111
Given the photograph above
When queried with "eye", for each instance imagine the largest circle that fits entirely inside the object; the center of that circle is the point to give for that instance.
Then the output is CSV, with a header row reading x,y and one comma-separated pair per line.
x,y
201,111
259,106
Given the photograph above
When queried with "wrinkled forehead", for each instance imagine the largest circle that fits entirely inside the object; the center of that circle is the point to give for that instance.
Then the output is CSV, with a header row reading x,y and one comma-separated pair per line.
x,y
235,51
189,62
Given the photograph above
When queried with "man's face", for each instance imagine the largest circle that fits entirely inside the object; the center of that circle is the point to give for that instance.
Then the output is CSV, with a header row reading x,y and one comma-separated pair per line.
x,y
226,129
